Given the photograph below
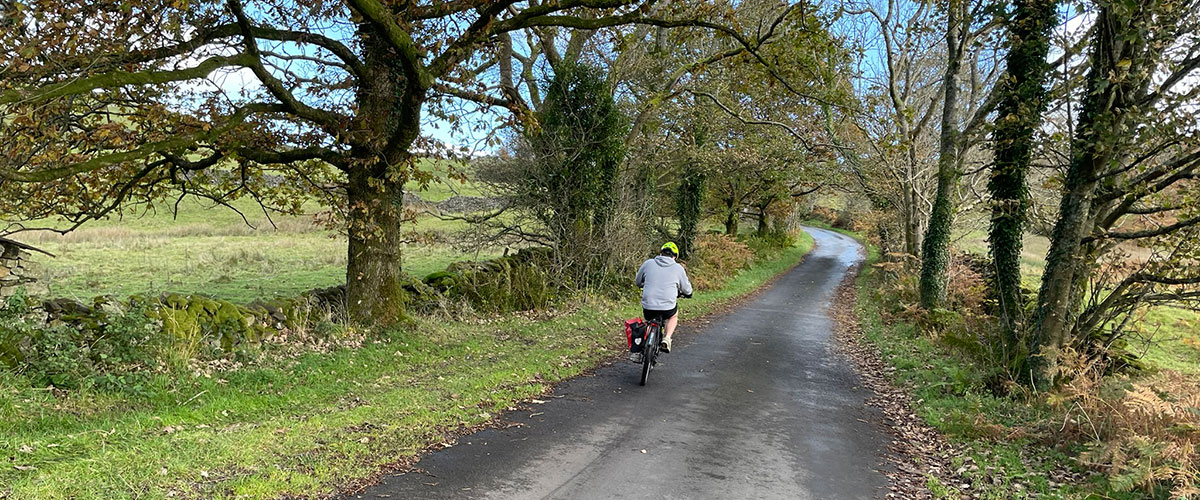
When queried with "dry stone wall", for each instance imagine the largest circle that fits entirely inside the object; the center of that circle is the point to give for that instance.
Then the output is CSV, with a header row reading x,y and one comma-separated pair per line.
x,y
12,272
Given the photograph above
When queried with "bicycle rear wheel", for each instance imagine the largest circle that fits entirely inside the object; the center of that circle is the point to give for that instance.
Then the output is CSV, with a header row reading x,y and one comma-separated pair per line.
x,y
649,352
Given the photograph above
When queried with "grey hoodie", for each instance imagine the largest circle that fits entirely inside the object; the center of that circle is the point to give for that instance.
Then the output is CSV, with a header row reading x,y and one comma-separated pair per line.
x,y
662,281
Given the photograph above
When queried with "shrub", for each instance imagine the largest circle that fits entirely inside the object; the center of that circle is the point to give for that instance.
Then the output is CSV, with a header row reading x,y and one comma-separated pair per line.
x,y
716,259
824,214
15,327
966,289
46,354
844,219
896,290
966,292
69,350
129,342
58,355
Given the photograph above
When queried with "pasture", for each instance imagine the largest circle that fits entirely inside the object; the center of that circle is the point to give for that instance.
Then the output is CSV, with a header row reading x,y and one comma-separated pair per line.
x,y
212,250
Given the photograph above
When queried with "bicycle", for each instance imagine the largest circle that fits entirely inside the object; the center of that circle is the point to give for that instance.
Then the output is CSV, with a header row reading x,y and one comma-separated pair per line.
x,y
651,343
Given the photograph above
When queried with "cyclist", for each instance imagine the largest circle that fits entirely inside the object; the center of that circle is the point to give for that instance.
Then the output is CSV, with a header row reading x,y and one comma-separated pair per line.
x,y
663,281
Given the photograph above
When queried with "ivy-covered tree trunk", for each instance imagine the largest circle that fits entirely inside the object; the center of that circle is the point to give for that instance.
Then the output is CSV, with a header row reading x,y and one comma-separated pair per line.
x,y
1101,138
688,206
1022,101
935,250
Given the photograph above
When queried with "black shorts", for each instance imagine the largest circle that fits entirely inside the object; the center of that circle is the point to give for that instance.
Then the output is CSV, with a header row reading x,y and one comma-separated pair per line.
x,y
661,316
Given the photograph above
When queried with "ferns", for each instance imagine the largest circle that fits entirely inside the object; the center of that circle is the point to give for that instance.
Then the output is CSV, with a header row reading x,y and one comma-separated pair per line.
x,y
1146,435
716,259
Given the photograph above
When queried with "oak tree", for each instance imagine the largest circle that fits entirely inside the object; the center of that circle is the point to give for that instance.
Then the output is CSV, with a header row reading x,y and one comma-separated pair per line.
x,y
115,105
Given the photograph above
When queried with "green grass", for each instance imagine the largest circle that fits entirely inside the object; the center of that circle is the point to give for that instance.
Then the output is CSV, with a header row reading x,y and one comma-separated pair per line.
x,y
1170,338
306,427
211,250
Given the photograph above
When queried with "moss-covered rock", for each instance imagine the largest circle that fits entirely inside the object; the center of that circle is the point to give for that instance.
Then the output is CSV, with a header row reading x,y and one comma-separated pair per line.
x,y
196,319
419,295
441,280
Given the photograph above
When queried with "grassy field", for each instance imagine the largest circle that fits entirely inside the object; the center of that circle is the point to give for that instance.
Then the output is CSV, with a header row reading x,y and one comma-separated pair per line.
x,y
1169,338
213,251
310,425
1033,253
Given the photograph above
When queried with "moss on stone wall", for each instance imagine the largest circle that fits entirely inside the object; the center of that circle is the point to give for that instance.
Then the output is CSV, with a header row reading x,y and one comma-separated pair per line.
x,y
516,282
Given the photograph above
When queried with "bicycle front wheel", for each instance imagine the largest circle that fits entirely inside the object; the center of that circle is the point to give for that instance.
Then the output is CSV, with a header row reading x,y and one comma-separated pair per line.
x,y
649,352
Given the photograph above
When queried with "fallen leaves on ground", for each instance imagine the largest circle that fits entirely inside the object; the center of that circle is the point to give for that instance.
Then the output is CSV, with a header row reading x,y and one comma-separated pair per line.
x,y
917,450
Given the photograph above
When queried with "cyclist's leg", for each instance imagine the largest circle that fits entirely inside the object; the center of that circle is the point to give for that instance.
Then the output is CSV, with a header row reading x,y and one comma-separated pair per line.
x,y
668,319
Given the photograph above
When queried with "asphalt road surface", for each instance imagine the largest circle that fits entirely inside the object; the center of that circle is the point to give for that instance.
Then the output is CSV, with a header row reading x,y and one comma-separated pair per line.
x,y
755,404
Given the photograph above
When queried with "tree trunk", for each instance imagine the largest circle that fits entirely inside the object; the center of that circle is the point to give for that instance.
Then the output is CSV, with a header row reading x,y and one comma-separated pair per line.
x,y
764,217
731,221
688,205
1023,99
935,250
1101,139
389,117
912,223
373,292
1057,296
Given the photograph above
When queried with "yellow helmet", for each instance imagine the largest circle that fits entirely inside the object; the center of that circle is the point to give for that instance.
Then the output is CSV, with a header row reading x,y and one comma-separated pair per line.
x,y
670,245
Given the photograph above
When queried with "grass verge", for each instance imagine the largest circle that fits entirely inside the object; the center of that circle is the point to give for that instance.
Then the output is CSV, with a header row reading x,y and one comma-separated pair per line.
x,y
308,426
1023,446
994,455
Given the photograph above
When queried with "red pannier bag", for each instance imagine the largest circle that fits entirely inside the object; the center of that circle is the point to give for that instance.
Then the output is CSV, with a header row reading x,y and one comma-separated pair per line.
x,y
635,329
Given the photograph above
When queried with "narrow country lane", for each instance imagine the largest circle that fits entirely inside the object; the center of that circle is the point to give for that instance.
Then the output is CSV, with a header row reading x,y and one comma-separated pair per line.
x,y
755,404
